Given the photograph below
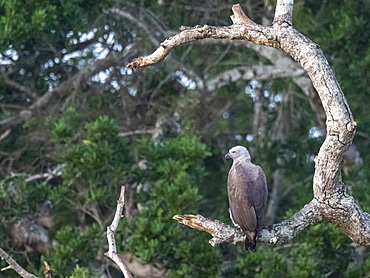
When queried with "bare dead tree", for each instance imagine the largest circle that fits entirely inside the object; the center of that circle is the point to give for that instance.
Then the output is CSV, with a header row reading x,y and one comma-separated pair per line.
x,y
331,202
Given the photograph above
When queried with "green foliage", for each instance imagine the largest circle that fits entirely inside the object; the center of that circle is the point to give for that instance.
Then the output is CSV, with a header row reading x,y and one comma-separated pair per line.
x,y
21,20
263,263
96,161
81,273
64,130
23,17
19,197
309,255
74,247
169,187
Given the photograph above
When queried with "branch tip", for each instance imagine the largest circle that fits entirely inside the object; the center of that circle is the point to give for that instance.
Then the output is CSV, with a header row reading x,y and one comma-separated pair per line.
x,y
135,63
47,271
240,17
6,268
184,217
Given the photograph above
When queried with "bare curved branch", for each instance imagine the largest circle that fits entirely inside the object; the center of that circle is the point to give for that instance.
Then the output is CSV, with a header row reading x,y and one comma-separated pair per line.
x,y
277,233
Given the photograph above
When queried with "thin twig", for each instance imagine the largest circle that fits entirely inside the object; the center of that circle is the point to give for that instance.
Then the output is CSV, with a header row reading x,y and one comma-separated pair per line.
x,y
112,251
137,132
47,271
5,134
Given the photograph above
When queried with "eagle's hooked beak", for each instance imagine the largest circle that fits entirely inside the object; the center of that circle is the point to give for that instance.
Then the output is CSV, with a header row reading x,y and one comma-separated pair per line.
x,y
228,156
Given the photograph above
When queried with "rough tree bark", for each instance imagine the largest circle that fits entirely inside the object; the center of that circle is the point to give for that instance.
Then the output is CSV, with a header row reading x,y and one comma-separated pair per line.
x,y
331,202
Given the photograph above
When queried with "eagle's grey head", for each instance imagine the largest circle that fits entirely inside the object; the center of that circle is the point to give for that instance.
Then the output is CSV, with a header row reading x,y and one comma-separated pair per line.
x,y
238,153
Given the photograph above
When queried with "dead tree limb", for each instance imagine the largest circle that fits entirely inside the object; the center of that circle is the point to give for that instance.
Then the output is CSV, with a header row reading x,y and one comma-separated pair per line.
x,y
15,266
331,201
111,230
277,233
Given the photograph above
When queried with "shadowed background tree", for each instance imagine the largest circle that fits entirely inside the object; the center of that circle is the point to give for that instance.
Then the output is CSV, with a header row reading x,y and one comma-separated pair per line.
x,y
76,125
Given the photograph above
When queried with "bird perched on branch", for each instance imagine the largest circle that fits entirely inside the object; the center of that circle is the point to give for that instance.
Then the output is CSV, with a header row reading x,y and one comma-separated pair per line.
x,y
247,190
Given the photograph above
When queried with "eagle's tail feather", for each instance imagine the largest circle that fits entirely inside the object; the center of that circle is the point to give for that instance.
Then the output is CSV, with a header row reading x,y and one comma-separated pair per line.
x,y
250,245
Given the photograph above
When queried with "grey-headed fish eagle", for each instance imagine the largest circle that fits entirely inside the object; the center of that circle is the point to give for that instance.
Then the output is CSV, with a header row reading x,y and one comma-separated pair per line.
x,y
247,190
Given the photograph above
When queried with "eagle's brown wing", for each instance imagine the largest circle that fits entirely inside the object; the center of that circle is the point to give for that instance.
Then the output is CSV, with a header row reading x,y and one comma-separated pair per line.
x,y
259,196
247,197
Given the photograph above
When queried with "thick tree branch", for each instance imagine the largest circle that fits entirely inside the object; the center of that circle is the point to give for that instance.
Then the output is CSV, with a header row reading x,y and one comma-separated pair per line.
x,y
137,132
189,34
4,134
250,31
30,234
111,230
283,12
277,233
